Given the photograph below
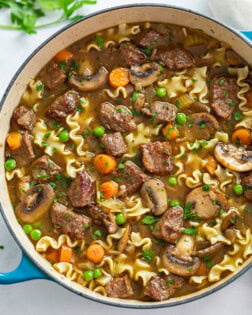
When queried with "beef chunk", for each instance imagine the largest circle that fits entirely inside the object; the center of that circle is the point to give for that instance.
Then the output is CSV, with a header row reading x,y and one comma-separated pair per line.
x,y
82,189
44,168
156,157
114,143
68,221
139,103
130,54
119,287
103,218
116,118
24,154
174,59
223,95
163,111
130,178
64,105
247,182
162,288
149,38
23,118
52,76
170,225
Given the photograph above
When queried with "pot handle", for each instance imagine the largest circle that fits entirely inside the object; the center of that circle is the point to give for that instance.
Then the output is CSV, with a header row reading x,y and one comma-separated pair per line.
x,y
25,271
247,34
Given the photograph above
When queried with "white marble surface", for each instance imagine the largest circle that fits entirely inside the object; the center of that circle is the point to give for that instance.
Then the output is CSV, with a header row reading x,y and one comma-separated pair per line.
x,y
44,297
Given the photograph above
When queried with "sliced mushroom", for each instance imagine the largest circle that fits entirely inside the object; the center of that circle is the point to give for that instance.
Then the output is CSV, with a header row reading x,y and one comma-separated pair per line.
x,y
92,82
177,259
229,220
211,250
203,127
206,204
232,58
124,240
154,196
35,203
237,159
230,234
144,75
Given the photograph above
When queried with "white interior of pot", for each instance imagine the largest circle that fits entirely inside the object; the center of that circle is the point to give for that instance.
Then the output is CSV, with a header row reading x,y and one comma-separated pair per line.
x,y
64,39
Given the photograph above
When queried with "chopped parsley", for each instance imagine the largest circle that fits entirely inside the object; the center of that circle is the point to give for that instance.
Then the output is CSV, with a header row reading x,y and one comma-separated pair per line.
x,y
121,165
1,246
238,116
190,231
149,220
206,187
207,261
67,215
148,254
96,234
99,41
170,282
188,213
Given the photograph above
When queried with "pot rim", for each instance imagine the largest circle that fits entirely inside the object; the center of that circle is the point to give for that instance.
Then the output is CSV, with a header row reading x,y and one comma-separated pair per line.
x,y
103,299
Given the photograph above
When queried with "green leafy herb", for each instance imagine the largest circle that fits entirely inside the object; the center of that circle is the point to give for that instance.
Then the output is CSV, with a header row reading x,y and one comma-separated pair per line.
x,y
206,187
189,214
96,234
149,219
208,261
238,116
1,247
99,41
190,231
170,281
148,254
25,14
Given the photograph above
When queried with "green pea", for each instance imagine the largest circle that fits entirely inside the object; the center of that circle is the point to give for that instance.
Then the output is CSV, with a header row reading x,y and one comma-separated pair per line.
x,y
120,219
161,92
181,118
238,189
88,275
174,203
135,96
27,228
97,273
36,234
172,181
99,131
64,136
10,164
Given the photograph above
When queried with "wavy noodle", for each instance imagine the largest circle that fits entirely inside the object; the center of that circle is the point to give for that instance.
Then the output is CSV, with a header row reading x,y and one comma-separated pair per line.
x,y
174,85
208,180
191,181
18,172
70,271
159,266
224,175
141,135
134,206
198,84
73,167
53,142
47,241
32,93
116,92
246,122
108,244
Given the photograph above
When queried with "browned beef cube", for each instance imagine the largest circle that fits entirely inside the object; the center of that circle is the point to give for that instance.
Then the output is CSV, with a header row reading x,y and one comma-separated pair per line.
x,y
151,38
247,182
156,157
130,54
130,178
44,168
64,105
163,111
24,154
23,118
119,287
223,94
52,76
174,59
68,221
116,118
170,225
162,288
103,218
114,143
82,190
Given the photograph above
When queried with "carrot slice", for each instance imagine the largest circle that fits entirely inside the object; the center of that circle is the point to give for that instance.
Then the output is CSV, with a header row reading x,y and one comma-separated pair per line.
x,y
104,164
109,189
170,132
95,253
64,55
14,140
66,254
211,164
242,136
52,255
119,77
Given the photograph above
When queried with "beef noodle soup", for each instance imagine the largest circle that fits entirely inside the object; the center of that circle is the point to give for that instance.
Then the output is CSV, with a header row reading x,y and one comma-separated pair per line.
x,y
129,161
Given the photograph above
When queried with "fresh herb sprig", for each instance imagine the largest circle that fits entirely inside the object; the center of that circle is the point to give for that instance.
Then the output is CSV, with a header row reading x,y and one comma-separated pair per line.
x,y
24,14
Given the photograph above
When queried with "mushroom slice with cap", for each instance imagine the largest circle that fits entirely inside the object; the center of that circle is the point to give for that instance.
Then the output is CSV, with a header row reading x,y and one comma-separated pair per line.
x,y
154,196
211,250
124,240
237,159
178,260
92,82
203,127
144,75
206,204
35,203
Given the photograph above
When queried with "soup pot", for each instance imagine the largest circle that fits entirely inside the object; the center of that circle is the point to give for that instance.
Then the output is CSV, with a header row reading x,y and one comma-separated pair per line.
x,y
33,265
